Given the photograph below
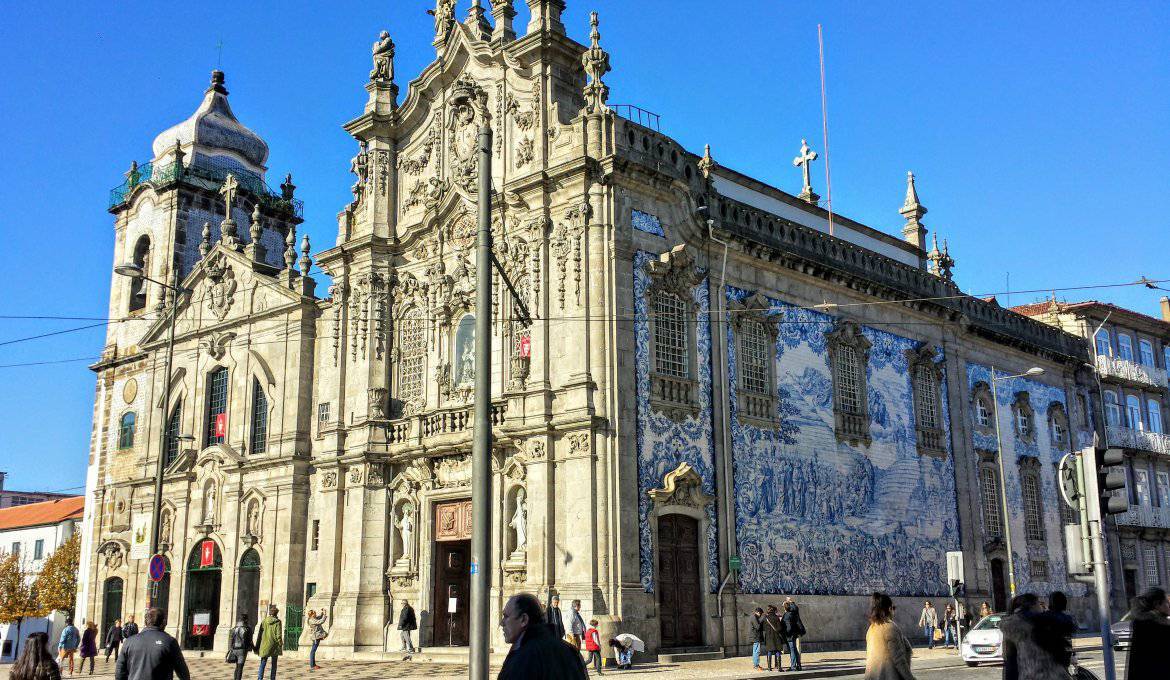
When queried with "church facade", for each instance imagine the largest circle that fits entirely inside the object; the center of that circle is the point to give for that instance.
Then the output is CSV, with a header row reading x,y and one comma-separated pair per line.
x,y
707,393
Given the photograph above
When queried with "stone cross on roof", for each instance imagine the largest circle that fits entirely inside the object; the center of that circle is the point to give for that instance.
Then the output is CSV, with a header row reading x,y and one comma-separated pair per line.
x,y
804,162
228,191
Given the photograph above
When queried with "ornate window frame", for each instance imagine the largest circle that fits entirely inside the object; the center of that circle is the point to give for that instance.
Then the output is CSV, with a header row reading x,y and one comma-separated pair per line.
x,y
1032,499
682,493
852,425
928,417
1058,424
412,318
751,315
981,393
990,497
674,273
1023,413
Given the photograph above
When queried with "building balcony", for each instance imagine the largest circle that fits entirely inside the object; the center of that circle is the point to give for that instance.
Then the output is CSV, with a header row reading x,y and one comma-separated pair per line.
x,y
1139,440
1130,371
1145,516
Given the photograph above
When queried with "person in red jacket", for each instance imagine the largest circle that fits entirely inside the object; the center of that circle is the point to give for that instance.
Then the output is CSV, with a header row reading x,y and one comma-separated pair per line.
x,y
593,646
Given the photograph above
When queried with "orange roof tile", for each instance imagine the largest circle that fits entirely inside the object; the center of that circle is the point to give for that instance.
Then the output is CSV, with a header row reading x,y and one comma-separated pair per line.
x,y
47,512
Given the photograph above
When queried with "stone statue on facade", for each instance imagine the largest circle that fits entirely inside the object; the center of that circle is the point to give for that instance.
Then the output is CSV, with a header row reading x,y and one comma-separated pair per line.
x,y
406,531
383,58
467,364
360,166
444,13
519,522
209,506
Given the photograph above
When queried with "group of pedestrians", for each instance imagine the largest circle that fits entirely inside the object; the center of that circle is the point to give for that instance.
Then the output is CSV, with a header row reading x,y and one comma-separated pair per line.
x,y
939,628
774,632
83,644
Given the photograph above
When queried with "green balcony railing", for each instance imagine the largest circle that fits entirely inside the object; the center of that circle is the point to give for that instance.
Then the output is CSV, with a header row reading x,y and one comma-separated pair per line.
x,y
208,174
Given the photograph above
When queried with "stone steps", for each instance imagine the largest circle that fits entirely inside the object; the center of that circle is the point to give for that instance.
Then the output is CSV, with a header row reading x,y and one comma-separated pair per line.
x,y
684,654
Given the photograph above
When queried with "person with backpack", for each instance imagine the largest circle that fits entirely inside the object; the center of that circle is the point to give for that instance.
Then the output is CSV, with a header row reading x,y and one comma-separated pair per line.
x,y
239,644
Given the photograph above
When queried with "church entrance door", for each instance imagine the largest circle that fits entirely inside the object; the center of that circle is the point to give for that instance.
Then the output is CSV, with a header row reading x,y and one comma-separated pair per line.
x,y
248,590
452,574
680,606
998,586
111,605
204,573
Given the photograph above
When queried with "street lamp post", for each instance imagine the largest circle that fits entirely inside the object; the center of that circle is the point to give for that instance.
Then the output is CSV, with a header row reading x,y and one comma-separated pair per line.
x,y
1007,525
135,272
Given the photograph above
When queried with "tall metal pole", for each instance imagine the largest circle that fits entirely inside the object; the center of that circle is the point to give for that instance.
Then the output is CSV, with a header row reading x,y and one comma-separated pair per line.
x,y
481,452
1100,559
160,464
1007,525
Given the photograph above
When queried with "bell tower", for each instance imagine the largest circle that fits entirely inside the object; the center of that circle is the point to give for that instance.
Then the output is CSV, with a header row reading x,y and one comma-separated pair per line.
x,y
169,206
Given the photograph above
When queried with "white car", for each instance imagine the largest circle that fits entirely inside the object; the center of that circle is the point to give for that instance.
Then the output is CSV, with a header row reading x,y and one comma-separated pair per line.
x,y
984,643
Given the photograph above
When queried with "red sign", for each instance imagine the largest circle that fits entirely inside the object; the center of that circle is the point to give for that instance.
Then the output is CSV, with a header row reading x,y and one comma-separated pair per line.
x,y
207,553
525,346
221,425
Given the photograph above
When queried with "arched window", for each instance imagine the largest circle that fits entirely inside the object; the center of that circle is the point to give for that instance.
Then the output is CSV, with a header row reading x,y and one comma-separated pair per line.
x,y
1103,346
259,418
172,450
126,430
1133,412
982,407
753,357
141,257
1154,415
1146,351
1125,346
217,393
412,345
465,350
1025,417
1058,427
670,335
1112,409
989,497
1033,507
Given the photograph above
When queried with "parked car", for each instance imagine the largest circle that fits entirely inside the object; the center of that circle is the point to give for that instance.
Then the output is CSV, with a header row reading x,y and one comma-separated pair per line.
x,y
1122,631
984,643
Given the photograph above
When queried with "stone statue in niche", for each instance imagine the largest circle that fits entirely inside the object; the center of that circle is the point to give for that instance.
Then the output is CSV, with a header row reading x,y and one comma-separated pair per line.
x,y
519,522
253,525
406,531
165,533
209,505
465,350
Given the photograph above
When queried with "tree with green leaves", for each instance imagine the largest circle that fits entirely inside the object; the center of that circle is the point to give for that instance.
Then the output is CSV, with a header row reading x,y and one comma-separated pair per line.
x,y
18,599
56,585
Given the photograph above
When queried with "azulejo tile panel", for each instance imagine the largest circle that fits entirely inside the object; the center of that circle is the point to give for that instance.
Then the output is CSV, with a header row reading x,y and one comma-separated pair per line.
x,y
662,444
817,516
646,222
1041,447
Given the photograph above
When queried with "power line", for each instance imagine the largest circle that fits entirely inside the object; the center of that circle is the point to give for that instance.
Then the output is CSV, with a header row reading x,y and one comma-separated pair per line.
x,y
61,332
54,361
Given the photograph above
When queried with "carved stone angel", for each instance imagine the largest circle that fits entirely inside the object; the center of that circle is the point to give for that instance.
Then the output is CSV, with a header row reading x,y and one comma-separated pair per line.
x,y
383,58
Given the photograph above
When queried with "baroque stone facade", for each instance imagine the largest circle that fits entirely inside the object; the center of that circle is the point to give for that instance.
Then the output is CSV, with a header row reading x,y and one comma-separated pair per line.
x,y
702,378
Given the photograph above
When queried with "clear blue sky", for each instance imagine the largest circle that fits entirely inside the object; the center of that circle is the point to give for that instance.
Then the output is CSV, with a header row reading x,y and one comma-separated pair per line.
x,y
1038,131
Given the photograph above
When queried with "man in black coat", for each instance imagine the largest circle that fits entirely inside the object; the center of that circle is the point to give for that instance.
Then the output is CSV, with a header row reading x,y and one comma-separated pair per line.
x,y
129,629
406,623
151,654
556,622
535,653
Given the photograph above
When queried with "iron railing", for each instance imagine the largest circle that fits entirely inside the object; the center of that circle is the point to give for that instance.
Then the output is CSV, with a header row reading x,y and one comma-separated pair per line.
x,y
1131,371
1141,440
208,174
1145,516
638,115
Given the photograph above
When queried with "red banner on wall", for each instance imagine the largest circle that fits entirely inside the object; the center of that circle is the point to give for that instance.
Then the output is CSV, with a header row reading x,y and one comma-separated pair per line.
x,y
221,425
207,553
525,347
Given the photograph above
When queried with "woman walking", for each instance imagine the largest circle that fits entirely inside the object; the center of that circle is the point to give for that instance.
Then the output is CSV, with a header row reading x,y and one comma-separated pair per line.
x,y
114,640
887,651
89,646
35,662
1030,651
928,622
774,640
950,625
239,644
1149,649
318,633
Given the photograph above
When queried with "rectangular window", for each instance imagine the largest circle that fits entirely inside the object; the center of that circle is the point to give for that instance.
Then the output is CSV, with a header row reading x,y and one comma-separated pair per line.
x,y
989,487
323,413
413,345
1146,349
1155,416
39,549
217,391
259,418
1163,480
1103,346
1023,423
982,412
15,549
1141,487
1058,433
316,539
172,450
670,335
1150,561
1125,346
927,399
1039,570
1166,357
1033,515
310,591
1112,409
753,361
849,397
126,431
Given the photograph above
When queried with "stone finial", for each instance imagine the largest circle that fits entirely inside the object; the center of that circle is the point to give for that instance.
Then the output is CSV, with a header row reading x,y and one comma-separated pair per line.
x,y
217,82
914,231
477,21
503,12
545,15
290,251
939,262
205,244
287,188
255,227
254,250
804,162
596,63
706,163
178,152
306,263
383,71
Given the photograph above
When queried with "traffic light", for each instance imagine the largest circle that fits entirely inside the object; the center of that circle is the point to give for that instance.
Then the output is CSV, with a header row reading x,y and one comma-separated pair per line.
x,y
1111,477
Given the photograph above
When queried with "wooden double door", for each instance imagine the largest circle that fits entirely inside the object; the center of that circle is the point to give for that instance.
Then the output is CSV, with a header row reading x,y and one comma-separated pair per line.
x,y
452,574
680,607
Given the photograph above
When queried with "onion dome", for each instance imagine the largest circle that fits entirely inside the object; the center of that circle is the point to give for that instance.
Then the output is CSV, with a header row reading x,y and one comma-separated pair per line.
x,y
214,128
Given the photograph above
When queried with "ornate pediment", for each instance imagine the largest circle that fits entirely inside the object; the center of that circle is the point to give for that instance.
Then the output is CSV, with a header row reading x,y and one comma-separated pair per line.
x,y
756,308
681,486
676,271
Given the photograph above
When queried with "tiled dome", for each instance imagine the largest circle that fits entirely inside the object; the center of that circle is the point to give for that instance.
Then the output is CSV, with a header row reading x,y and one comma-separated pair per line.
x,y
213,127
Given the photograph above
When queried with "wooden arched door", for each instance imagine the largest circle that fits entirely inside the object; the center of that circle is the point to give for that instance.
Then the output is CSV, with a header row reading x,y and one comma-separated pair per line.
x,y
680,610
